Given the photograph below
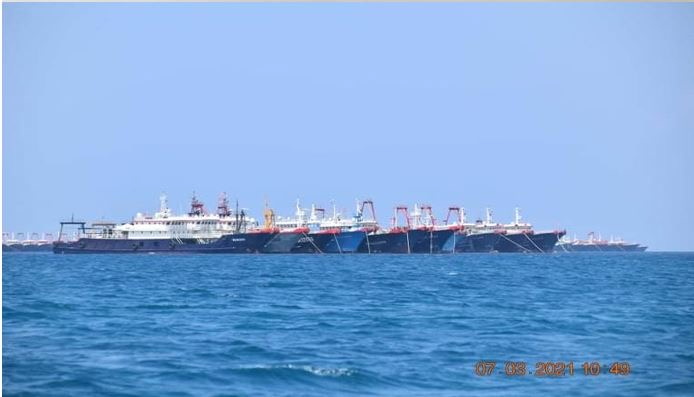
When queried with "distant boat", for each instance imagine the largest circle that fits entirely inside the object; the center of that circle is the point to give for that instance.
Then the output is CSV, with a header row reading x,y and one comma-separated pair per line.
x,y
29,242
593,244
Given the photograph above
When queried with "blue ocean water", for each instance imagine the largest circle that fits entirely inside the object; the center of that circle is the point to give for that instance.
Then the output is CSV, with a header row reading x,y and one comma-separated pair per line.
x,y
319,325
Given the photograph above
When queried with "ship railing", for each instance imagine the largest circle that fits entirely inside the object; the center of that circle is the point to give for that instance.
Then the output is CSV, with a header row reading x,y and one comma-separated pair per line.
x,y
104,235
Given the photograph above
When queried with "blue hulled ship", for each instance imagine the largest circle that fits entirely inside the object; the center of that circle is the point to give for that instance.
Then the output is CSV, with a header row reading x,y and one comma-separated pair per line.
x,y
345,241
349,234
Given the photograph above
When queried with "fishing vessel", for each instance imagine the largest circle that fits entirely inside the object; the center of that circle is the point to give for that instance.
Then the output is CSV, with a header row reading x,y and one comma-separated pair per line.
x,y
317,238
418,233
26,242
164,232
394,240
426,236
348,234
593,244
288,231
480,236
519,236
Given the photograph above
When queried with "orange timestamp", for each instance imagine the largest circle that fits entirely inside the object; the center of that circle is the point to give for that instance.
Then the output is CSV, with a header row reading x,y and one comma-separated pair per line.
x,y
551,369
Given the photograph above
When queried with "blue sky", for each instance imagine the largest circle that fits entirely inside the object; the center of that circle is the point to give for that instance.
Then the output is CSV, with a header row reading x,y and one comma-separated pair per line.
x,y
581,114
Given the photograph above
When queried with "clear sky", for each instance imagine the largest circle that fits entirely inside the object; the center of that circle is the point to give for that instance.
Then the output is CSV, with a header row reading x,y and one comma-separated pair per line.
x,y
581,114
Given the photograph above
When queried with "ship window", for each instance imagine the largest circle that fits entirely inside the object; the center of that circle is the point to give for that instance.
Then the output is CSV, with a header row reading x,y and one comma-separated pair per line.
x,y
156,243
142,243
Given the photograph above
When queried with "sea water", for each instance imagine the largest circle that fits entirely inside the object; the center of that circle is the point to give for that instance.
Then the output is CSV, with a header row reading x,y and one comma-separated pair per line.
x,y
150,325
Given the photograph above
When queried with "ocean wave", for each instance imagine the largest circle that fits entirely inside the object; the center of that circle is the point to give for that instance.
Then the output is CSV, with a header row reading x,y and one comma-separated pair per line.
x,y
318,371
195,325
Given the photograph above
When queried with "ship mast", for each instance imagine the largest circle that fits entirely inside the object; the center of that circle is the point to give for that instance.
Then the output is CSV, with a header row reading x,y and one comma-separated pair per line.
x,y
300,214
239,217
428,214
454,210
401,209
416,216
334,209
163,203
196,206
360,213
223,205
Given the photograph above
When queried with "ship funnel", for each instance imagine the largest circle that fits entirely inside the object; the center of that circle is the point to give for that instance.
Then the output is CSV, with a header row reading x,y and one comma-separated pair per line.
x,y
269,216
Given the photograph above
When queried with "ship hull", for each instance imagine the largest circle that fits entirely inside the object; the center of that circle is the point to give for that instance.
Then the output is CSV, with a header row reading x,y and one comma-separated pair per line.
x,y
413,241
227,244
428,242
282,243
345,242
528,242
515,242
475,242
547,242
391,243
312,243
27,247
567,247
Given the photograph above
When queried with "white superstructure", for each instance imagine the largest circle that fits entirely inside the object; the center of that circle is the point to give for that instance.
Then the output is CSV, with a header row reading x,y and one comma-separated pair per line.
x,y
197,224
518,226
316,220
357,223
298,223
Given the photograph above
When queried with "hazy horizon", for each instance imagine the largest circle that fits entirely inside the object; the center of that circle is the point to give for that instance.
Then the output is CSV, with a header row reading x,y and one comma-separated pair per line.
x,y
582,115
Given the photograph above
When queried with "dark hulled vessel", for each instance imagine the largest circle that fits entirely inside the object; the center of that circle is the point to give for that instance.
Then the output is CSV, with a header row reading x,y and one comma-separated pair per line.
x,y
195,232
429,240
313,243
529,241
419,234
466,241
394,241
478,237
284,241
240,243
520,237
